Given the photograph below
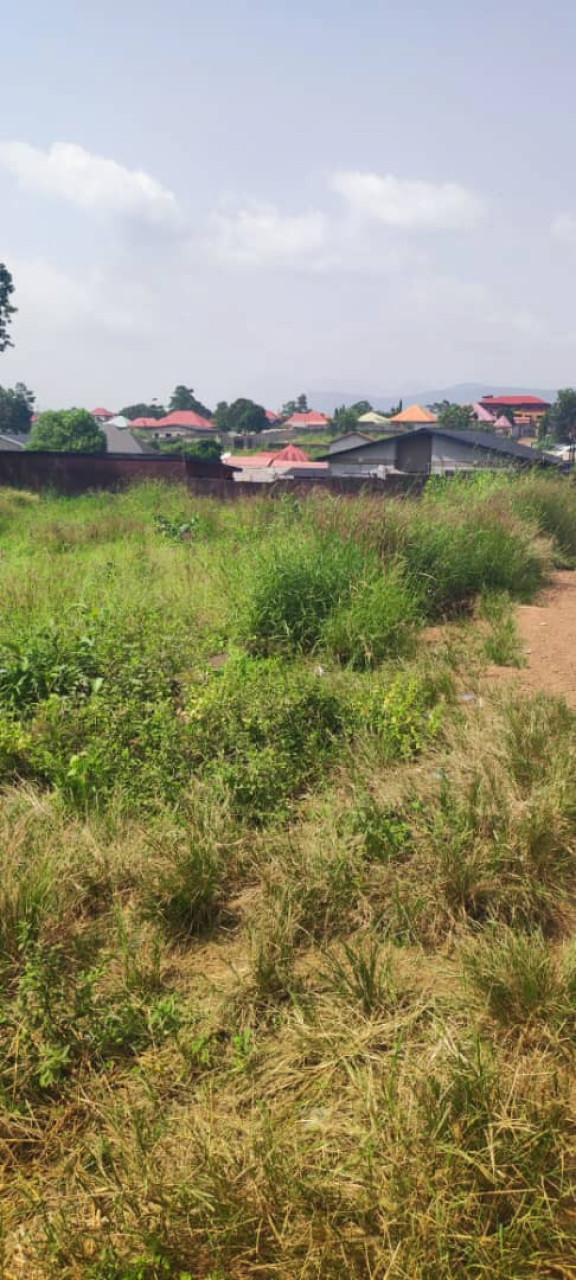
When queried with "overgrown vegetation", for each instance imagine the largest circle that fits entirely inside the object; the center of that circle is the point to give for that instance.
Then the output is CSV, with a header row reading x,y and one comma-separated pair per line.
x,y
287,969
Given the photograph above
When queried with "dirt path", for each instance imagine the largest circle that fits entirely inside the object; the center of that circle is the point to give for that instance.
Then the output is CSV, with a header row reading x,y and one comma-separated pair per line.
x,y
548,634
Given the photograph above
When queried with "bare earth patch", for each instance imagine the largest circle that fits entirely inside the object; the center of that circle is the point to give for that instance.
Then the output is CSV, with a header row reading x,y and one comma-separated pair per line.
x,y
548,635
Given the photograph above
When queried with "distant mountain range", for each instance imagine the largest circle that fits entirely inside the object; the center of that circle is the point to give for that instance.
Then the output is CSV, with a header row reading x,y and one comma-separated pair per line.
x,y
460,393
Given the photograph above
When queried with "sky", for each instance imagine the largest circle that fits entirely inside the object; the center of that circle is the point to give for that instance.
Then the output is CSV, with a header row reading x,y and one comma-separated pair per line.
x,y
263,198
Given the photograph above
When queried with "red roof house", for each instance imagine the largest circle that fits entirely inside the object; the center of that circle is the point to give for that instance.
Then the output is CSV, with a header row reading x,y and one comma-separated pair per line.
x,y
290,454
531,405
186,418
144,422
514,402
103,415
311,419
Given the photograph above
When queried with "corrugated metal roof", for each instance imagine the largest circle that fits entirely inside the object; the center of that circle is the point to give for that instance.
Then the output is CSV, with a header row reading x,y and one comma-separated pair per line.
x,y
119,440
485,440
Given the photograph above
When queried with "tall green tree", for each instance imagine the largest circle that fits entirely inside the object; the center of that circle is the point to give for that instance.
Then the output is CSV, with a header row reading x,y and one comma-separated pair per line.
x,y
346,416
455,417
220,418
16,408
242,416
183,398
67,431
560,421
299,405
6,308
132,411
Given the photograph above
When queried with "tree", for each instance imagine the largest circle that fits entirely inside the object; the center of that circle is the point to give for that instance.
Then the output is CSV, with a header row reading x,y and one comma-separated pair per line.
x,y
455,417
183,398
132,411
346,417
220,418
16,406
299,405
560,421
67,431
6,308
395,408
208,450
242,416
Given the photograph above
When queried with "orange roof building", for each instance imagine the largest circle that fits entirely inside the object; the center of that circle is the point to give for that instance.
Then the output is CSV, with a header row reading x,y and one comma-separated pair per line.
x,y
414,416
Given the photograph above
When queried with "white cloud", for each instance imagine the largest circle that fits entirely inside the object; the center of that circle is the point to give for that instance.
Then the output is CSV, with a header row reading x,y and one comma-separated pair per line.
x,y
408,204
90,181
447,297
51,299
262,236
563,228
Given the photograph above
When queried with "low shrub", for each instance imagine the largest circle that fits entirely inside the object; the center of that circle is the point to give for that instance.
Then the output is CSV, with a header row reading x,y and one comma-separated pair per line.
x,y
405,713
502,643
514,973
550,502
265,732
62,1015
294,585
385,833
377,622
48,661
454,555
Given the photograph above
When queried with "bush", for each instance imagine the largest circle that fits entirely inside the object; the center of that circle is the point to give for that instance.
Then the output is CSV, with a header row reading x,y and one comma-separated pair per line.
x,y
404,714
502,643
46,662
294,587
265,731
452,556
549,501
377,622
515,974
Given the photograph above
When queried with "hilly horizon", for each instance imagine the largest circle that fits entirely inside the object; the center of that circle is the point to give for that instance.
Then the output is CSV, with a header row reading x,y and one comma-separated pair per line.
x,y
458,393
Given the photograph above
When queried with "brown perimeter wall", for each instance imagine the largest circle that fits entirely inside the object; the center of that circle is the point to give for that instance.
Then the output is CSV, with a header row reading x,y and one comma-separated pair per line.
x,y
76,473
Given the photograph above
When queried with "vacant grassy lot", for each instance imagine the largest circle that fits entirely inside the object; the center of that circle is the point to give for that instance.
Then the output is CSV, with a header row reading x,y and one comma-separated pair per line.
x,y
287,909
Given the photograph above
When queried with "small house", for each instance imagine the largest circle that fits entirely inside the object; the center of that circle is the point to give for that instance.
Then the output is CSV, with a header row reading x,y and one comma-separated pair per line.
x,y
434,451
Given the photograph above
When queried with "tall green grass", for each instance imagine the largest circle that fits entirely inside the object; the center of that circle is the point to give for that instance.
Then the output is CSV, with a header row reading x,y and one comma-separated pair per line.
x,y
286,926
